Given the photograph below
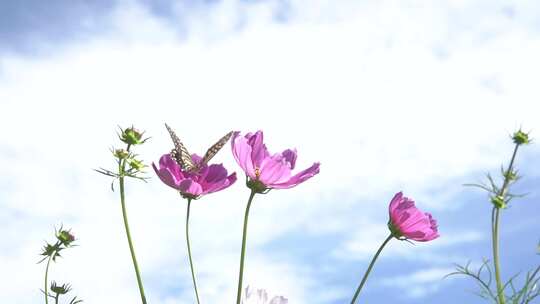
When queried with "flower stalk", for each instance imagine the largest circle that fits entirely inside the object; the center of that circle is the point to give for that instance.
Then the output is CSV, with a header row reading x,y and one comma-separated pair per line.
x,y
364,279
189,251
121,170
495,219
64,240
243,250
128,166
47,279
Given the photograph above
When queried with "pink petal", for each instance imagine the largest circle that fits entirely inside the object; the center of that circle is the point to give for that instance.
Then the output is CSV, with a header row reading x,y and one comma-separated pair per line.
x,y
299,178
274,170
215,173
395,202
166,177
222,184
242,153
290,157
166,162
188,186
258,149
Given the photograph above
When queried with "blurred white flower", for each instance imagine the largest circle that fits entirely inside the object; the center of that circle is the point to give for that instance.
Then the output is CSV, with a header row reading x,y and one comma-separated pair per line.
x,y
260,296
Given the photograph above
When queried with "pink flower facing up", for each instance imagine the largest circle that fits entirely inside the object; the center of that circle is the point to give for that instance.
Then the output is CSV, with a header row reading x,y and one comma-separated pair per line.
x,y
267,171
407,222
210,178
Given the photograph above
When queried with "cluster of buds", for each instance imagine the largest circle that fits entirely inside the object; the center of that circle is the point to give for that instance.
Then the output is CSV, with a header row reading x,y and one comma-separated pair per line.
x,y
501,196
127,161
64,240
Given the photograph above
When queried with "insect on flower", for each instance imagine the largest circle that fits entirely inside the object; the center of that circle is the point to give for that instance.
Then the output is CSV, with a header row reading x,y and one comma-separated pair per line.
x,y
184,159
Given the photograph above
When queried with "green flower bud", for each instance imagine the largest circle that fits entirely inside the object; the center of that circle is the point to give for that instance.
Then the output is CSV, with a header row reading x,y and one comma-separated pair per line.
x,y
49,250
65,237
520,138
63,289
120,153
498,201
510,175
132,136
136,164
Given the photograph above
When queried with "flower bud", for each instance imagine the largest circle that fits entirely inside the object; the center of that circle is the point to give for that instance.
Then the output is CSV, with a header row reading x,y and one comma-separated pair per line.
x,y
520,138
63,289
132,136
510,175
136,164
498,201
120,153
65,237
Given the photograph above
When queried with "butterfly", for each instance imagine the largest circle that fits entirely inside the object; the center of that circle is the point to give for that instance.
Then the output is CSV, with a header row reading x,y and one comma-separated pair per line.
x,y
183,158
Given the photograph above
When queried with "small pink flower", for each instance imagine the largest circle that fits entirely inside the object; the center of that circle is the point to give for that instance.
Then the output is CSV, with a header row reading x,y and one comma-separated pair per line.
x,y
210,178
407,222
264,170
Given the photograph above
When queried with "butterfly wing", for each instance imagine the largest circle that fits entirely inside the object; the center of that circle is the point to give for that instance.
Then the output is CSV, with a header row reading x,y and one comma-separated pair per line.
x,y
214,149
180,154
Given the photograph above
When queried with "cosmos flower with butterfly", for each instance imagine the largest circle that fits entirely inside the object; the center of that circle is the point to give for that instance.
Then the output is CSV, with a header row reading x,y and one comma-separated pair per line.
x,y
193,177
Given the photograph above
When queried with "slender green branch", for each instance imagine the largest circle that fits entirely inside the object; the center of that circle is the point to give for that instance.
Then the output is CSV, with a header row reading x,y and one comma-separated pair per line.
x,y
364,279
122,167
189,251
242,254
495,218
46,290
496,262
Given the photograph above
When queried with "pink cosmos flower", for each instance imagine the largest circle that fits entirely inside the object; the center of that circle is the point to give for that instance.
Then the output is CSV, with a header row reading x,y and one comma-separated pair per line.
x,y
407,222
264,170
210,178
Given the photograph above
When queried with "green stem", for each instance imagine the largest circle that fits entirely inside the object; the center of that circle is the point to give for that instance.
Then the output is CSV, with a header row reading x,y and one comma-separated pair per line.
x,y
122,167
47,279
496,262
364,279
56,298
242,254
495,218
189,251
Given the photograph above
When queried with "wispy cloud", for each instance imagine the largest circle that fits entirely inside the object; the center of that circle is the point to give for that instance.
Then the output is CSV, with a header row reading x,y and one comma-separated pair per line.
x,y
418,284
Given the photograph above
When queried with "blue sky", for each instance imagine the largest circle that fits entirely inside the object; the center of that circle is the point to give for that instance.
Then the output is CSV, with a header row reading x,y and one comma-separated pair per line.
x,y
387,95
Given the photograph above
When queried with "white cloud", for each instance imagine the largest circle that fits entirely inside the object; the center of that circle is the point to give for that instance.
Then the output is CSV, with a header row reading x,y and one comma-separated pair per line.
x,y
359,87
419,284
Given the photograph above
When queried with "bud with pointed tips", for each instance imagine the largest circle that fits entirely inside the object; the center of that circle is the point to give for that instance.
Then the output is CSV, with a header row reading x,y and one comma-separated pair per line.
x,y
498,201
120,153
521,138
132,136
65,237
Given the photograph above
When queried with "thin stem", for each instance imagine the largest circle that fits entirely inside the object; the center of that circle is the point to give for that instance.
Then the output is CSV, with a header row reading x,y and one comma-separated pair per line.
x,y
364,279
189,251
495,218
56,298
496,262
242,254
47,278
122,166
